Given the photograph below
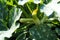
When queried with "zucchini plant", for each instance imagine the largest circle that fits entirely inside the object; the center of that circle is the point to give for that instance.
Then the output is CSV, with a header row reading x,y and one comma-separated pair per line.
x,y
29,19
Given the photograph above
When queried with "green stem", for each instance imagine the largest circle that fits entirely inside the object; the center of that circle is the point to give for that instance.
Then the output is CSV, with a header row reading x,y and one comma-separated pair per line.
x,y
25,13
36,20
29,8
37,6
44,19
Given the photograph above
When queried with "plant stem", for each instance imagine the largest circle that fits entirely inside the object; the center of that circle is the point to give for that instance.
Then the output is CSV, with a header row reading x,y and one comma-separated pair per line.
x,y
25,13
29,8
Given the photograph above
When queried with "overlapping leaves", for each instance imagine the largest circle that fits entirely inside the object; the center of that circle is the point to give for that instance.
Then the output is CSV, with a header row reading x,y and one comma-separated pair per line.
x,y
28,30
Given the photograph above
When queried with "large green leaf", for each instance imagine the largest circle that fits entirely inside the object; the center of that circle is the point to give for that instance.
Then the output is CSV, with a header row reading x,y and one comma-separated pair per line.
x,y
43,32
3,16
